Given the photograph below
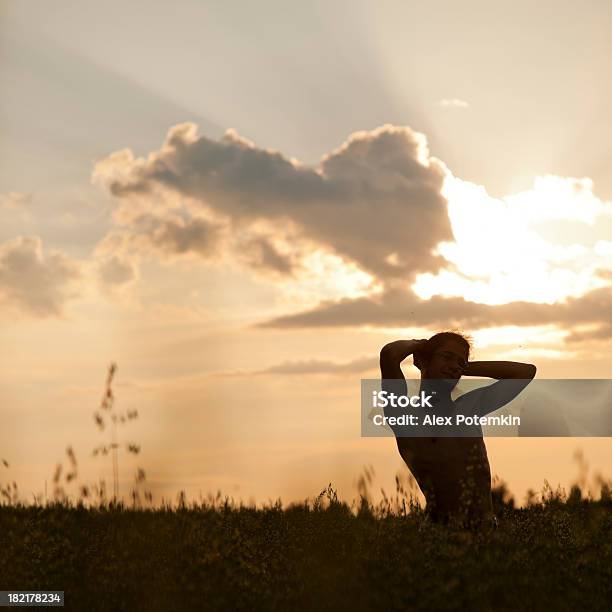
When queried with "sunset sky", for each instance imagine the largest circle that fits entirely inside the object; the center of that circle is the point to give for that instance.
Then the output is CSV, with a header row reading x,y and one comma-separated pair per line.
x,y
241,203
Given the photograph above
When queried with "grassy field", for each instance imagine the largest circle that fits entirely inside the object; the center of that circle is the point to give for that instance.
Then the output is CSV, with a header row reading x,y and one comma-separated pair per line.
x,y
555,554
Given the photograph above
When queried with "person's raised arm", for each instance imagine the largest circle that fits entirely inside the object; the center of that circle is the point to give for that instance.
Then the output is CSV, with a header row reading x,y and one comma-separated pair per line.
x,y
500,369
393,381
391,356
512,377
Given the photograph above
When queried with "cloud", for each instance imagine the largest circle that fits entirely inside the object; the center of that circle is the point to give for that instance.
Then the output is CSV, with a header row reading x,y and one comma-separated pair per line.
x,y
379,203
604,273
401,308
114,271
314,366
453,103
15,200
167,236
263,254
395,307
34,282
378,195
598,332
195,235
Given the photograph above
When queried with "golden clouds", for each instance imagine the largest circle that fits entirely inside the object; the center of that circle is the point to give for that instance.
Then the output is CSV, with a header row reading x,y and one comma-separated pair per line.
x,y
34,282
378,193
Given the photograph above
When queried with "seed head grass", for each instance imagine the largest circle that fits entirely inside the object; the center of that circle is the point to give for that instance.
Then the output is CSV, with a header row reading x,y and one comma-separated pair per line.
x,y
218,553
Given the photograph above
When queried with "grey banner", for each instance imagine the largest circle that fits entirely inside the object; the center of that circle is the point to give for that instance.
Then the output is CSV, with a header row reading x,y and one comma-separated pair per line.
x,y
477,407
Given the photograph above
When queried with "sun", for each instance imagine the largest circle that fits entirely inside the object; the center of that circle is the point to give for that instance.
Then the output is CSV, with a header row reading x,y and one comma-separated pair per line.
x,y
500,256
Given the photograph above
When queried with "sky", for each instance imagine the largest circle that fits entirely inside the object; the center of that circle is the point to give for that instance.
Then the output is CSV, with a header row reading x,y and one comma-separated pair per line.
x,y
241,203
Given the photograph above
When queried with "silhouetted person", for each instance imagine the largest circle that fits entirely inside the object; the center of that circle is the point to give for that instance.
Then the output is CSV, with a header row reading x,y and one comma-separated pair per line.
x,y
452,471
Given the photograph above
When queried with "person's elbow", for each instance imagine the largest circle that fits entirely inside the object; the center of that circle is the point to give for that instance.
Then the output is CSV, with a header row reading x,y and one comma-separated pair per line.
x,y
529,371
388,352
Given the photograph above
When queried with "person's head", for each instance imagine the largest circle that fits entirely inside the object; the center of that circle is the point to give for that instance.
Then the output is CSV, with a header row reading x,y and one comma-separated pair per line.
x,y
443,356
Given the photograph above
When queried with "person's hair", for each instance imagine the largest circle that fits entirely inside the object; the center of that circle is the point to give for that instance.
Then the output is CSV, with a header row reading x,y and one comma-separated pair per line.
x,y
437,340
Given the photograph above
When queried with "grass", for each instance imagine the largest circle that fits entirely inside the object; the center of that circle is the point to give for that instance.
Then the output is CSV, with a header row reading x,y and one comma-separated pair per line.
x,y
322,554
